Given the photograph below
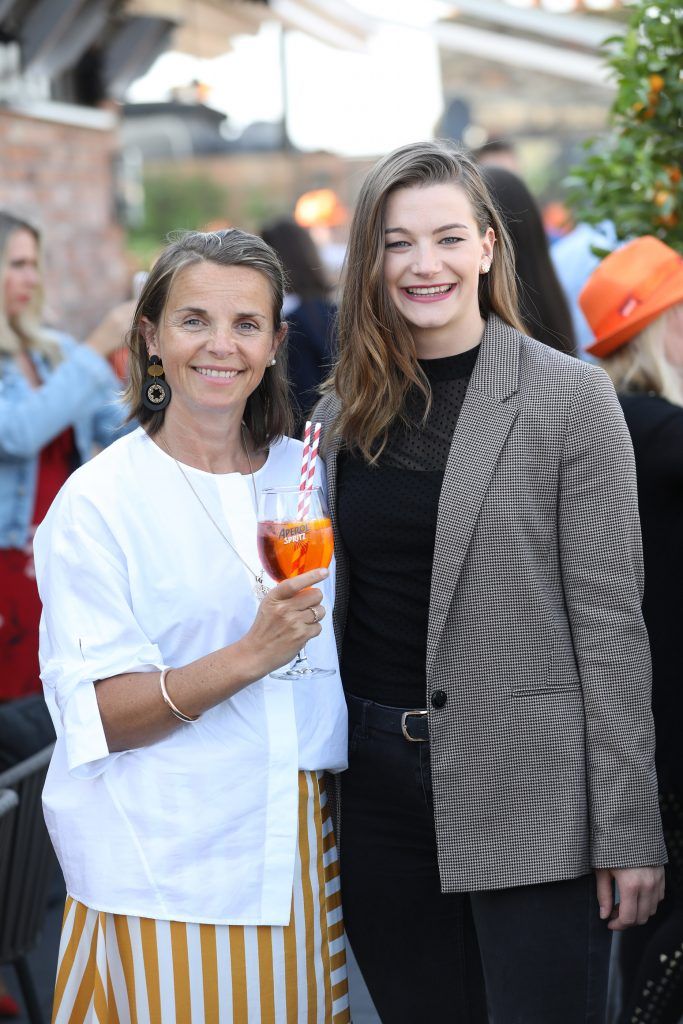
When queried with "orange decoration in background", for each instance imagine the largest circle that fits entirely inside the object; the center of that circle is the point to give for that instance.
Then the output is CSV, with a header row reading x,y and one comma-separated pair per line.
x,y
320,208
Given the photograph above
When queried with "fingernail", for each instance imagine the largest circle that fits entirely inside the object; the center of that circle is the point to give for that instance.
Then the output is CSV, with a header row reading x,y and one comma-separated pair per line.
x,y
604,913
323,574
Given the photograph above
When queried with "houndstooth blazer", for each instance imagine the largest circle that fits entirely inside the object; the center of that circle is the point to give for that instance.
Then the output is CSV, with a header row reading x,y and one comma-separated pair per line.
x,y
543,755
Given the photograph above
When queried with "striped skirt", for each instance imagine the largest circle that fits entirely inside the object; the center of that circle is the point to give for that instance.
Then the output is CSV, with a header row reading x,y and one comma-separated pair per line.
x,y
115,969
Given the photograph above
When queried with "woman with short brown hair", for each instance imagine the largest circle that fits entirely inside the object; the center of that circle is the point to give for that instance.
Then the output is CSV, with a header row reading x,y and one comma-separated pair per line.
x,y
185,796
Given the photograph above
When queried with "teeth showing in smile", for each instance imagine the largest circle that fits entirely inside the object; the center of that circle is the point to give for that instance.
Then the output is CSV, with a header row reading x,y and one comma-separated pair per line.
x,y
216,373
438,290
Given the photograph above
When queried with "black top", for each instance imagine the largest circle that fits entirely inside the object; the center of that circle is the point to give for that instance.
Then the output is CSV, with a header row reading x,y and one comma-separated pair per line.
x,y
656,428
387,519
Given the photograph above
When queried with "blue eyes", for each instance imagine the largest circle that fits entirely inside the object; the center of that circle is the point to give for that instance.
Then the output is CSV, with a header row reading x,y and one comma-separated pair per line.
x,y
446,240
246,327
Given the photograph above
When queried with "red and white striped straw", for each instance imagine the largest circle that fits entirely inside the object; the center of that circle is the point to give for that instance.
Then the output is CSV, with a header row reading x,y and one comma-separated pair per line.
x,y
308,461
305,455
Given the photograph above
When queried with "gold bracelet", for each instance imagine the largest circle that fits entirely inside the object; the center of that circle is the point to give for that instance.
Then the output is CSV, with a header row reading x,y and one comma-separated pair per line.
x,y
167,700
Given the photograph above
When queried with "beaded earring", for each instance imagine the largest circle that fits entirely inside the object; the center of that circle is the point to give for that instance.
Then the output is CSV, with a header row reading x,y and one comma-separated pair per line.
x,y
156,392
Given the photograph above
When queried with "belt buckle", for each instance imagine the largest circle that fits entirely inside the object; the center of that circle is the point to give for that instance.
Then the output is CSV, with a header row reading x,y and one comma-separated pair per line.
x,y
404,729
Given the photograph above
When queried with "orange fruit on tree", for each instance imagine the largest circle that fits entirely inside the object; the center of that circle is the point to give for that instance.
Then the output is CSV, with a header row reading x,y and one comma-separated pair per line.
x,y
669,221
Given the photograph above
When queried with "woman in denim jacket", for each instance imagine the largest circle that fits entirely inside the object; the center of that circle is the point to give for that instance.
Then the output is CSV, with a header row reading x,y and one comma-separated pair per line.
x,y
57,400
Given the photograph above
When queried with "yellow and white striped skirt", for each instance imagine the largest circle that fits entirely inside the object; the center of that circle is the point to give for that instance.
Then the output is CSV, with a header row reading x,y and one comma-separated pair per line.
x,y
115,969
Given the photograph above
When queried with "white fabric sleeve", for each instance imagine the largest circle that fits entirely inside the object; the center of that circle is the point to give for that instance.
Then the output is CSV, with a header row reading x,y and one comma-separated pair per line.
x,y
88,630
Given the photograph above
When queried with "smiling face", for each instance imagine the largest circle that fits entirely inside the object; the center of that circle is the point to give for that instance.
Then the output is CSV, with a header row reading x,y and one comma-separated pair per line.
x,y
21,277
215,339
433,258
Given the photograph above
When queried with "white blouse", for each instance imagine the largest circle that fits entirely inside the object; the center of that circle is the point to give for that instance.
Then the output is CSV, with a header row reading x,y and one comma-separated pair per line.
x,y
202,825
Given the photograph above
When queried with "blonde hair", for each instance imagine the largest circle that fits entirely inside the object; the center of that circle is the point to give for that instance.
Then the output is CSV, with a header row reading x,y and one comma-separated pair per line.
x,y
641,365
377,358
268,412
24,332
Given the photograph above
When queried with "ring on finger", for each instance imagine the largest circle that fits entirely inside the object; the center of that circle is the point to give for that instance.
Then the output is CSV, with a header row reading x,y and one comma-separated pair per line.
x,y
316,617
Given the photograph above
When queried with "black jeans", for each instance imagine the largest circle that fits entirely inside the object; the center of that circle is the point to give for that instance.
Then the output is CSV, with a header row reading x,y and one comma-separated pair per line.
x,y
543,949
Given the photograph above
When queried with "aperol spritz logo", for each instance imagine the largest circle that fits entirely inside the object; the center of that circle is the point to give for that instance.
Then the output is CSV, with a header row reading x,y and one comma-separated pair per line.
x,y
293,534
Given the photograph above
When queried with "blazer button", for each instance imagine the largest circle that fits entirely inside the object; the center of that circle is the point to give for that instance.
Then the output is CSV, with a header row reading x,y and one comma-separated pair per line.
x,y
439,698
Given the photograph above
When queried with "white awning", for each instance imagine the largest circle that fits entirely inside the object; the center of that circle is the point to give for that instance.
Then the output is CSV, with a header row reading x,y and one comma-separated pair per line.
x,y
206,27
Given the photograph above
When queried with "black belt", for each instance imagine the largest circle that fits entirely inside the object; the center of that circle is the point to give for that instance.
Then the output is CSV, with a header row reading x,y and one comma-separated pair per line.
x,y
411,723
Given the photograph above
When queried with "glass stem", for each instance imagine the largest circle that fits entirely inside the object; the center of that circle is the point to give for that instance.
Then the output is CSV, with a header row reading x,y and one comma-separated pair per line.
x,y
301,662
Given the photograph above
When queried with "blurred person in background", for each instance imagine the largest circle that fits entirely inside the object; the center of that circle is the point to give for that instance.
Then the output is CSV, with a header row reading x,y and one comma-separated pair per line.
x,y
57,400
634,305
574,257
308,311
542,303
495,661
557,220
498,153
322,213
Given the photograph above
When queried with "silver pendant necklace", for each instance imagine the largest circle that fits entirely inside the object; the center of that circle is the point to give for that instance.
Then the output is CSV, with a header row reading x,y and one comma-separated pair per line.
x,y
259,587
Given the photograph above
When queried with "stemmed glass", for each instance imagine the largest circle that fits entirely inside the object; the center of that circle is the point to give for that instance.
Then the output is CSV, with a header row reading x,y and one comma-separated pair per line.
x,y
294,536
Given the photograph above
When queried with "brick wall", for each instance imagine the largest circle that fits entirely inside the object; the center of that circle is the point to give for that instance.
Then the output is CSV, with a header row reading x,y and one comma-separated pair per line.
x,y
62,174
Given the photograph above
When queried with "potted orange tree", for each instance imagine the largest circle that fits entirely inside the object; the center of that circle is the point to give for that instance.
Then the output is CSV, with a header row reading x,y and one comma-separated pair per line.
x,y
632,175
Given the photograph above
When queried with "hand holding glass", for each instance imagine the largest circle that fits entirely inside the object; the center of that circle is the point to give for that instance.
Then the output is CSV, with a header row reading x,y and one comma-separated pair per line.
x,y
294,536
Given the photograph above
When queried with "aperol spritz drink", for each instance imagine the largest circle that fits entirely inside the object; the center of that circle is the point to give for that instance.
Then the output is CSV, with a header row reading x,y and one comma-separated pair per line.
x,y
294,536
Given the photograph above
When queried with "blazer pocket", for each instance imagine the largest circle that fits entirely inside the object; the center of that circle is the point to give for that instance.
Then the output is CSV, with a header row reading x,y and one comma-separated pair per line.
x,y
546,689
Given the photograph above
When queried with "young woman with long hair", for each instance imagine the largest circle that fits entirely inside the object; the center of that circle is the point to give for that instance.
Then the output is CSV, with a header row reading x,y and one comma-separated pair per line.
x,y
489,572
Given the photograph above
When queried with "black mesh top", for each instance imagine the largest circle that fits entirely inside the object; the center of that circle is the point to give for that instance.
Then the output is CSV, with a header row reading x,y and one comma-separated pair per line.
x,y
387,518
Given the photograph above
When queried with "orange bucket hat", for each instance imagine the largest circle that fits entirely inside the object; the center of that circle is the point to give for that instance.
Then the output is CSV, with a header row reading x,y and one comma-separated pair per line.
x,y
628,290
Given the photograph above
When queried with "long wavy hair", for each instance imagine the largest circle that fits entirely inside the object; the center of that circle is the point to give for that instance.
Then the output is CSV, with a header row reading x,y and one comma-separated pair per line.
x,y
378,362
267,414
23,332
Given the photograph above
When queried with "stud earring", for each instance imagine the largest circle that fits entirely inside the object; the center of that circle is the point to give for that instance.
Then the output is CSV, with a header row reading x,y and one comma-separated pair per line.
x,y
272,362
156,392
485,267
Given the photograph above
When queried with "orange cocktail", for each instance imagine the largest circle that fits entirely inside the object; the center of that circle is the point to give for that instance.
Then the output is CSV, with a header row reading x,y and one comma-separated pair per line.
x,y
294,536
291,548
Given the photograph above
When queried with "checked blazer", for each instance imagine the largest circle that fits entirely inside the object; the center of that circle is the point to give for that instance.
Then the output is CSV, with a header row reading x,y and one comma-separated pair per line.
x,y
542,757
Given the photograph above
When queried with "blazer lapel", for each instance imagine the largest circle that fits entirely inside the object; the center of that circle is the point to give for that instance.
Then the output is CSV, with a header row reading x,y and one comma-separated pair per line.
x,y
487,414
